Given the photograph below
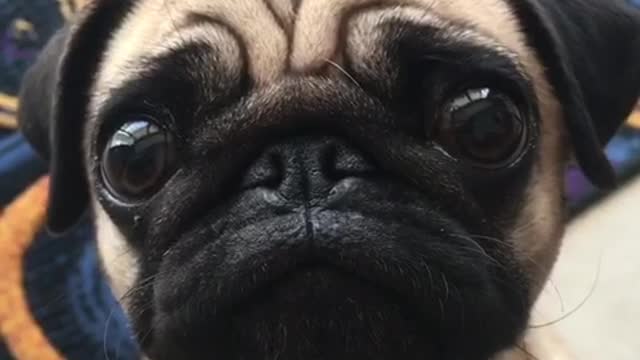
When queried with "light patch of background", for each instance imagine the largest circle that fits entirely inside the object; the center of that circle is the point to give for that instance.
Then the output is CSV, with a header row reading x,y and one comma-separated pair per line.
x,y
601,254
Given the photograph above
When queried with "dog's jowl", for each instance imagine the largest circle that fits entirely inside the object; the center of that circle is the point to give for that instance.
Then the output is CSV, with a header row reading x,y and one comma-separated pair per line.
x,y
329,179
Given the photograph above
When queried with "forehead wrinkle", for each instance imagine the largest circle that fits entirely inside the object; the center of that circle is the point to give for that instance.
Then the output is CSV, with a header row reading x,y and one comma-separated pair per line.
x,y
216,37
317,30
142,32
321,20
284,11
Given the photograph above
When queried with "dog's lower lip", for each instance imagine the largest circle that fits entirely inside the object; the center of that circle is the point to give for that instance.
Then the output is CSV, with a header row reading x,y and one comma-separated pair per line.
x,y
298,295
303,281
304,276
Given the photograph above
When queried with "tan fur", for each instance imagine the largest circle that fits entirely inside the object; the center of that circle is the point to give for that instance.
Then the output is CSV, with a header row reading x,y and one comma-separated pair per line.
x,y
117,258
148,26
285,12
279,39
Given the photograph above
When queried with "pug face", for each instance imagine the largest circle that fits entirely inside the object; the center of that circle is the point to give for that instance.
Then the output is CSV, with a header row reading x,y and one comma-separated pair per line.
x,y
329,179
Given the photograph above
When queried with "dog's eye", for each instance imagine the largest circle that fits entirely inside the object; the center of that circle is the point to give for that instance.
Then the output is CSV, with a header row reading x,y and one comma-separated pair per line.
x,y
483,127
137,158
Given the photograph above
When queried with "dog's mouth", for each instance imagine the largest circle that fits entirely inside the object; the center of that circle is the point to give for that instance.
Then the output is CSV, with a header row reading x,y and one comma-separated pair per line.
x,y
325,313
324,283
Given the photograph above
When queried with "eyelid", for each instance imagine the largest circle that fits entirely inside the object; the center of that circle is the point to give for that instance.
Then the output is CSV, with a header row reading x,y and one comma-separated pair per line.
x,y
113,119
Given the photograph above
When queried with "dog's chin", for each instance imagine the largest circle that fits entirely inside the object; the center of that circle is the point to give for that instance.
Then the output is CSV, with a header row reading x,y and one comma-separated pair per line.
x,y
317,312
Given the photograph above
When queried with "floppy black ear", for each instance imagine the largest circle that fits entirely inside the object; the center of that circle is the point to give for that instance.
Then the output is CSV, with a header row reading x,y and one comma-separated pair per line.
x,y
591,49
53,106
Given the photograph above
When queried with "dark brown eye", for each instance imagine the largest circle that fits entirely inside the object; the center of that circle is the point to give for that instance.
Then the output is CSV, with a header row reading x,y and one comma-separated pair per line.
x,y
137,158
482,127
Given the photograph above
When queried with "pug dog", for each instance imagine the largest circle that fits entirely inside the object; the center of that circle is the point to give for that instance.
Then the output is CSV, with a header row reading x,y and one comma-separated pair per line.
x,y
329,179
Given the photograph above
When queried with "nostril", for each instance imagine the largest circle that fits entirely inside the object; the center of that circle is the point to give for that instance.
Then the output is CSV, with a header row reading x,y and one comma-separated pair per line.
x,y
276,177
267,171
328,162
307,167
345,161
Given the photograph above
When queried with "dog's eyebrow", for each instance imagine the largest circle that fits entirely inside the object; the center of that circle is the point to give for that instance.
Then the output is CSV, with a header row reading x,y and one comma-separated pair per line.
x,y
444,63
383,42
176,83
476,64
479,58
453,44
196,19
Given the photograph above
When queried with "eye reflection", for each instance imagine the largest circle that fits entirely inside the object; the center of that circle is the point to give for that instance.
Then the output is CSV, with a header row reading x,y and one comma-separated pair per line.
x,y
483,127
137,158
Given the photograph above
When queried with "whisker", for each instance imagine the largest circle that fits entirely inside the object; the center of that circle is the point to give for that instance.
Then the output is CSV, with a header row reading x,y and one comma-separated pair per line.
x,y
446,287
557,292
511,246
147,333
343,71
106,334
478,249
526,352
507,244
592,290
144,283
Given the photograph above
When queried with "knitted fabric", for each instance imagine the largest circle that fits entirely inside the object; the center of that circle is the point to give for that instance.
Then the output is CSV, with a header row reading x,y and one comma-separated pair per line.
x,y
19,225
54,302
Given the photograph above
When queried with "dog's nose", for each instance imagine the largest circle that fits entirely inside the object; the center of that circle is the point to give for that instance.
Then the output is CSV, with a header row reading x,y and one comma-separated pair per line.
x,y
307,167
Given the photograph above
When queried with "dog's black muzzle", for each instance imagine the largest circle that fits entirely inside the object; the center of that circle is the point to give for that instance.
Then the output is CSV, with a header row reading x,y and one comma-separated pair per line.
x,y
320,255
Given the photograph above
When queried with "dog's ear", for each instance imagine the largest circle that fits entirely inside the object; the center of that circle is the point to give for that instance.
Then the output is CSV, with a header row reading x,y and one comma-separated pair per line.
x,y
591,51
53,105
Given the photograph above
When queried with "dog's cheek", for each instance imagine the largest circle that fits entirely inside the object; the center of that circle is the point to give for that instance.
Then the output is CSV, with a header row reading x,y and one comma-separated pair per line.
x,y
537,235
118,259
